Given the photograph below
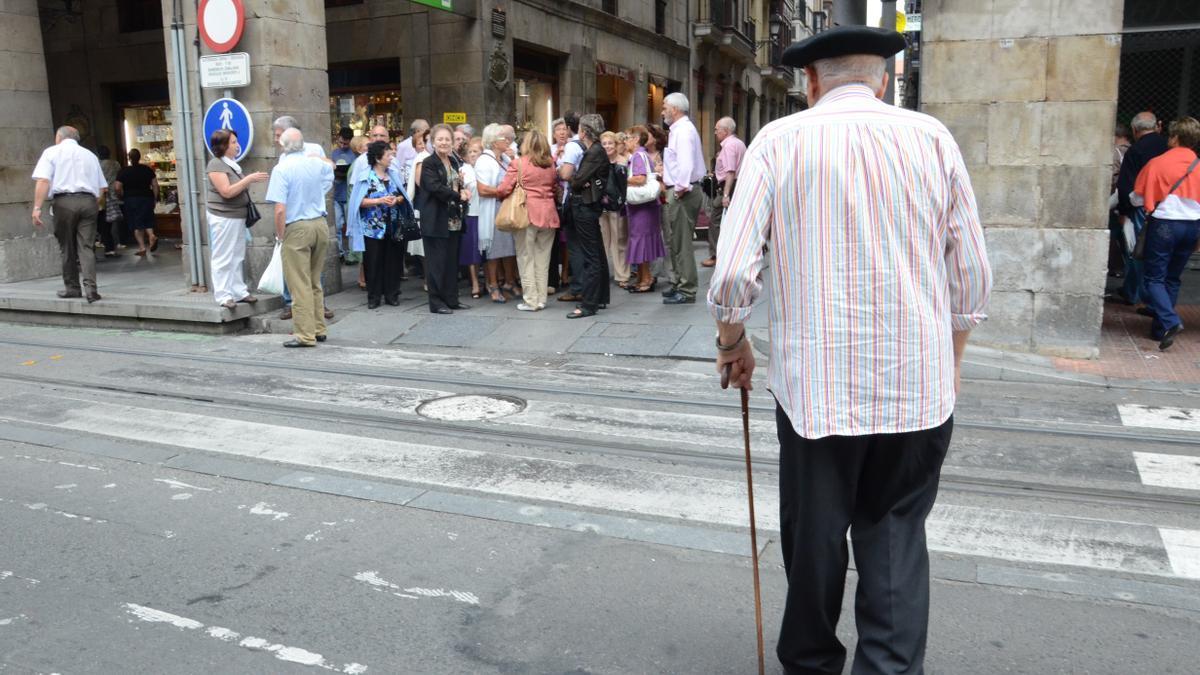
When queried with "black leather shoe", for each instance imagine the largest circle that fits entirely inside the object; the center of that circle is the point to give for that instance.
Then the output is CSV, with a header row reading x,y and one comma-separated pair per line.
x,y
322,338
679,299
442,310
372,303
460,306
668,293
394,302
292,344
93,297
1168,337
70,294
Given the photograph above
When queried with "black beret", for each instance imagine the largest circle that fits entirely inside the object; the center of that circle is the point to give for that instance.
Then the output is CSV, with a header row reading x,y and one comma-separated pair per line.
x,y
843,41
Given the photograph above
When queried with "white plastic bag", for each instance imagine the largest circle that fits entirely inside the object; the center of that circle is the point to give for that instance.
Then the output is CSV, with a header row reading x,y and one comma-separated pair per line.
x,y
271,282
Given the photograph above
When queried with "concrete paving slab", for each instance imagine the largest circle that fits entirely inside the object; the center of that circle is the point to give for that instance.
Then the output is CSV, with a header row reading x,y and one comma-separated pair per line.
x,y
535,337
455,330
376,326
649,340
696,343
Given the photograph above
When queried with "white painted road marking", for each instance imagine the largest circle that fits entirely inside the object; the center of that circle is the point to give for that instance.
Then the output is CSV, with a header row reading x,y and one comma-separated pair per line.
x,y
1169,471
380,584
176,485
1159,417
1183,548
281,652
996,533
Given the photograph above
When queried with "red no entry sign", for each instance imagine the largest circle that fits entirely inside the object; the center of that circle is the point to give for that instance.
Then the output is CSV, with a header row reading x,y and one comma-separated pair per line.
x,y
221,23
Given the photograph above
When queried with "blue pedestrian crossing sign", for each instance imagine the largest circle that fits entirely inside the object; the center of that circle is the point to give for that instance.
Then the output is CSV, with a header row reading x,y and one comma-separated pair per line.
x,y
228,113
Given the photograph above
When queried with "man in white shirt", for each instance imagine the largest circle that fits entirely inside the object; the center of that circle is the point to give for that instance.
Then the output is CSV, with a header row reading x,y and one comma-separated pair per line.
x,y
282,124
683,168
568,160
405,152
359,168
71,176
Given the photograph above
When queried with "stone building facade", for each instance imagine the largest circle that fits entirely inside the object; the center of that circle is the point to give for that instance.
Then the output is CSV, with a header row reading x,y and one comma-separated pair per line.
x,y
1030,92
1028,88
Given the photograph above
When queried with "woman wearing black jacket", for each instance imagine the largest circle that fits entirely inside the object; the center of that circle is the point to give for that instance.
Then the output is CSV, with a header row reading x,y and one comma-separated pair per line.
x,y
441,200
587,188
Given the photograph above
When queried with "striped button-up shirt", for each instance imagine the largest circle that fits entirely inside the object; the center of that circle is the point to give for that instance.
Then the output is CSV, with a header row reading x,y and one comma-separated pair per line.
x,y
877,256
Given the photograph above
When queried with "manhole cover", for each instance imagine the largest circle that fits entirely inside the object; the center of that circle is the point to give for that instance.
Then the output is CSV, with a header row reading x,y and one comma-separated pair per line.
x,y
470,408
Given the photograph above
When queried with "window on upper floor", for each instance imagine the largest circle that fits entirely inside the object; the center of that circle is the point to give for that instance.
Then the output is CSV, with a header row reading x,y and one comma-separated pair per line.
x,y
138,15
342,3
609,6
660,17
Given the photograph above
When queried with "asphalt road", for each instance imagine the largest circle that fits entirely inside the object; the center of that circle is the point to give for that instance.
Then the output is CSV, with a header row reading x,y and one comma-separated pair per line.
x,y
201,506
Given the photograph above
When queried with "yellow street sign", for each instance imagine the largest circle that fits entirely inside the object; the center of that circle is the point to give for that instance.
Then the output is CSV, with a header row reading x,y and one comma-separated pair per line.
x,y
454,118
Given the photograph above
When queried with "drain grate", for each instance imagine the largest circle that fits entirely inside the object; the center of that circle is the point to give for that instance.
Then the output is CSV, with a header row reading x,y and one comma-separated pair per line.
x,y
470,407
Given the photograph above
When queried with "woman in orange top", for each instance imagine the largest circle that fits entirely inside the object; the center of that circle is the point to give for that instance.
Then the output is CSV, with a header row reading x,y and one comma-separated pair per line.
x,y
536,173
1169,187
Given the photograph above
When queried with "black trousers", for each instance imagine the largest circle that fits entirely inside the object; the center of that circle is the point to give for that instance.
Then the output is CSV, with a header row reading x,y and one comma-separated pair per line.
x,y
106,232
384,262
881,488
575,255
593,270
441,270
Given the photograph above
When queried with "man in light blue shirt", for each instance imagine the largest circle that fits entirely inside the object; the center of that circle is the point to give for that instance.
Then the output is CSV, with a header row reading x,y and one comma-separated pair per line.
x,y
298,187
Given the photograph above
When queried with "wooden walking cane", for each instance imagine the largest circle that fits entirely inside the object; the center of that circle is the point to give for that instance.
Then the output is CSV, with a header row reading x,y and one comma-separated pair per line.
x,y
753,528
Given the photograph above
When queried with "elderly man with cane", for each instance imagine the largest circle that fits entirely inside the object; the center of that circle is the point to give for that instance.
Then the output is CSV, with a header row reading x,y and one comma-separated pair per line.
x,y
880,274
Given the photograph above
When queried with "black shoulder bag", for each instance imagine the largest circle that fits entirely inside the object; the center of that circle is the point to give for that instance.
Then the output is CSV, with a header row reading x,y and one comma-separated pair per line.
x,y
252,214
1139,249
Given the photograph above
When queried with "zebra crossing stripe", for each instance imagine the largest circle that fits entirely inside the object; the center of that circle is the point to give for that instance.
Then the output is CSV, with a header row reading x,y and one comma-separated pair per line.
x,y
1181,472
1160,417
1183,548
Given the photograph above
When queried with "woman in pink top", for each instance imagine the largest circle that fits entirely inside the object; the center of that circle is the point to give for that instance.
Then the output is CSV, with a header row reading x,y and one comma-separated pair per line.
x,y
535,172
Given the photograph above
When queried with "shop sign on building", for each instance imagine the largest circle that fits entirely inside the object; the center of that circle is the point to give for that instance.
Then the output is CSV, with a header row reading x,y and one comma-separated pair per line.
x,y
447,5
454,118
225,71
228,113
613,70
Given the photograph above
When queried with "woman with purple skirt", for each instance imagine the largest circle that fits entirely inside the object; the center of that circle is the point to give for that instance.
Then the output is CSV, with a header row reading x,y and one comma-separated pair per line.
x,y
645,228
468,249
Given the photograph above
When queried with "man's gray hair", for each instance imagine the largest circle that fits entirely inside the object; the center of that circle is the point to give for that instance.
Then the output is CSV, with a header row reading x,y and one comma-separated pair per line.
x,y
727,124
291,140
417,125
592,125
678,101
865,69
466,129
557,121
285,122
64,132
1144,121
492,133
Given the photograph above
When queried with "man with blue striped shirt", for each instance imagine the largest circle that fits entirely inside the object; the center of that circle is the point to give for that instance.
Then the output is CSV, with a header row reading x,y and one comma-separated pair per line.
x,y
879,274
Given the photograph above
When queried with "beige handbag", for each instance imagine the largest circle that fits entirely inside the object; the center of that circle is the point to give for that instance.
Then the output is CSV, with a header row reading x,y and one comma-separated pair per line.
x,y
514,214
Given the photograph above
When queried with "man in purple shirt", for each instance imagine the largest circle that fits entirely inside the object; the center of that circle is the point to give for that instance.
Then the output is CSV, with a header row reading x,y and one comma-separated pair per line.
x,y
683,167
729,160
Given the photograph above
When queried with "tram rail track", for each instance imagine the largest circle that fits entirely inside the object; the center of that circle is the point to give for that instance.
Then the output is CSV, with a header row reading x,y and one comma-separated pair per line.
x,y
1140,436
984,486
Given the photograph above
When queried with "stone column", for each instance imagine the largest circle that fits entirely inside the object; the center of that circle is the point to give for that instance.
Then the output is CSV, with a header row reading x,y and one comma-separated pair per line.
x,y
1030,94
26,129
288,76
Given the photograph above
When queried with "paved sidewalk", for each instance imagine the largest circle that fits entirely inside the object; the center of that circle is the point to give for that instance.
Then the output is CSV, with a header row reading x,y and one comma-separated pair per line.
x,y
635,324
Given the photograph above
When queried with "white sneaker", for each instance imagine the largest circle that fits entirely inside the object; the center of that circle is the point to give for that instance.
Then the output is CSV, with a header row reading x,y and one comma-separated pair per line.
x,y
541,306
527,308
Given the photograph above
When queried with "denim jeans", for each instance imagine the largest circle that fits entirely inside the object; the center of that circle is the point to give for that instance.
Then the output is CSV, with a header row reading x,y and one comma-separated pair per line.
x,y
1169,245
339,221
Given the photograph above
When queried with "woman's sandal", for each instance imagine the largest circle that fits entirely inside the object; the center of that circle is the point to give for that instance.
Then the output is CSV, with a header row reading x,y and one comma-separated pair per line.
x,y
497,296
476,294
229,304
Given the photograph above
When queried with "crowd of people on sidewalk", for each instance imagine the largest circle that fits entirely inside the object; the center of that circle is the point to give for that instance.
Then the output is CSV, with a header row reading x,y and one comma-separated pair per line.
x,y
523,219
595,207
1155,216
